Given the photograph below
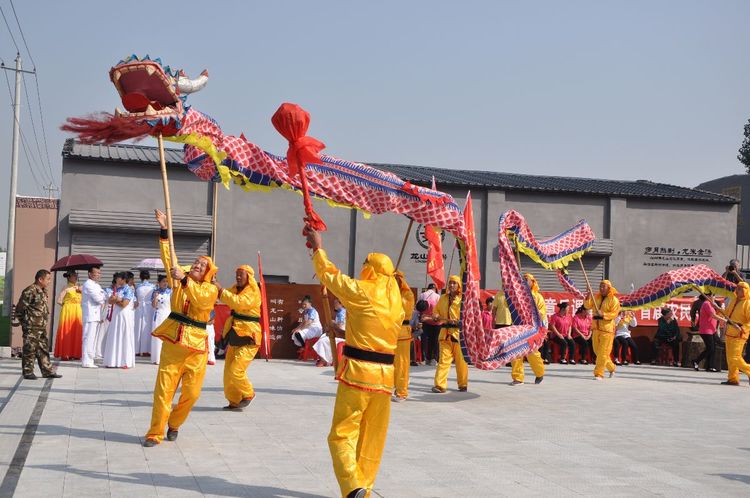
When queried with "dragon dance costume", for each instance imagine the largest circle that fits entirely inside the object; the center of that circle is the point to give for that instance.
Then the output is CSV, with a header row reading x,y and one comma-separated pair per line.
x,y
603,328
365,375
535,358
403,351
449,309
243,334
185,350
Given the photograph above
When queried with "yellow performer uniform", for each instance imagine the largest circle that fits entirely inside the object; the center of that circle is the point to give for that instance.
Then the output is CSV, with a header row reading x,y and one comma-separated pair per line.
x,y
739,313
502,312
365,375
185,350
449,310
535,359
243,334
403,351
603,328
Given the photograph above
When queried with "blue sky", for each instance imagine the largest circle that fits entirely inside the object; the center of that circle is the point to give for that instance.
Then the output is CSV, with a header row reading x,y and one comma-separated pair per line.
x,y
656,90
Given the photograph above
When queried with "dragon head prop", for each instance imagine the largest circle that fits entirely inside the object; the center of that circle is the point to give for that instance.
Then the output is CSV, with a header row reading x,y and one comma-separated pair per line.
x,y
153,96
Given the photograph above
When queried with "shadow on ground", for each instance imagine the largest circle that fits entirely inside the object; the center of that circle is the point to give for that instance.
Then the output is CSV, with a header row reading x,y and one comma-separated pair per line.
x,y
209,485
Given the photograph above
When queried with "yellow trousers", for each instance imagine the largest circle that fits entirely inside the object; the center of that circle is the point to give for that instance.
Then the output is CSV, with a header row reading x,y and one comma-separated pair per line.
x,y
176,365
735,362
401,367
357,437
602,343
535,362
237,385
450,351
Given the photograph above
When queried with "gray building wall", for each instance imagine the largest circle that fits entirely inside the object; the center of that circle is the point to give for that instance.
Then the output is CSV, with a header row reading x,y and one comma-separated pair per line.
x,y
735,186
248,222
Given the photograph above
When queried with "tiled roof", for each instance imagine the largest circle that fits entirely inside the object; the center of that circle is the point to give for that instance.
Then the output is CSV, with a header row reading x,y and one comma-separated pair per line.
x,y
444,177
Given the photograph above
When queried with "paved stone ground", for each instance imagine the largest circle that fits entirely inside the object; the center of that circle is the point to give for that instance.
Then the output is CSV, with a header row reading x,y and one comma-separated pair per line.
x,y
649,431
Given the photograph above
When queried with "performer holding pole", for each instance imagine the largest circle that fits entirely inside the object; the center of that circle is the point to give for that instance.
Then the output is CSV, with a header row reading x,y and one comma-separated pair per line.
x,y
535,359
607,307
184,353
362,409
243,335
403,351
738,330
448,314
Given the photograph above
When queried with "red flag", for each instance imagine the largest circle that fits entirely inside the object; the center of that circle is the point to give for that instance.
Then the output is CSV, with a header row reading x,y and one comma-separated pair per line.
x,y
264,322
435,262
471,246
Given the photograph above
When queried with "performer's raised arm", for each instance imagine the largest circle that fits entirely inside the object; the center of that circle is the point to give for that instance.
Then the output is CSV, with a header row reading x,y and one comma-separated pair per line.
x,y
342,286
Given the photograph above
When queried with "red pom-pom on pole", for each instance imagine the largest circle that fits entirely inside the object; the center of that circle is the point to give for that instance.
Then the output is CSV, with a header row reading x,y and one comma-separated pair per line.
x,y
292,122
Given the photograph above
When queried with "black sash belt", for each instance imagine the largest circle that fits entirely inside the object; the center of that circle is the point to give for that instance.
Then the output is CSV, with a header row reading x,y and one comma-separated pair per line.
x,y
245,318
361,354
406,322
177,317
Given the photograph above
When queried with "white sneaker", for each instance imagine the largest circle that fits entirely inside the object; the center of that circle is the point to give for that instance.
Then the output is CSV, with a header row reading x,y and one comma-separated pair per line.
x,y
596,377
89,366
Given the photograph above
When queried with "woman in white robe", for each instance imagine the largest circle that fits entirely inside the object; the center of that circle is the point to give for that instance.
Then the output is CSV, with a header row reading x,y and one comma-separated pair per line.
x,y
119,347
101,331
144,315
160,301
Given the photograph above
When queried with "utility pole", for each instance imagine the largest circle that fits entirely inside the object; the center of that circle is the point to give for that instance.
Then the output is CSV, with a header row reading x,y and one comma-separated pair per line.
x,y
8,297
50,188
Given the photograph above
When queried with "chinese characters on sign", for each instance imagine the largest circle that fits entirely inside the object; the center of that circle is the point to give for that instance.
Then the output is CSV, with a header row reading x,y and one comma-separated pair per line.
x,y
675,257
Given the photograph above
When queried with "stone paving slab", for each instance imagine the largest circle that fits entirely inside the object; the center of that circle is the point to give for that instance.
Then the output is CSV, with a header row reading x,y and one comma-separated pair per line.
x,y
649,431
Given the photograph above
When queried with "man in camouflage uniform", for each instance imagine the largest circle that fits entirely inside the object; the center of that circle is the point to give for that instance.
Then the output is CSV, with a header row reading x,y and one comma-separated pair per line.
x,y
33,314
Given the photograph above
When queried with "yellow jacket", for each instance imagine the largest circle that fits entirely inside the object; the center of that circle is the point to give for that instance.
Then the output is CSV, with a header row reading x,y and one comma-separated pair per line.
x,y
449,312
609,308
407,301
374,314
739,313
540,305
502,313
194,300
245,302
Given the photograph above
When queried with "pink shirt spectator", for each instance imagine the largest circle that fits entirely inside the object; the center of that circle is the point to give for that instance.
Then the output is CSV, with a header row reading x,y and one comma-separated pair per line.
x,y
706,322
432,298
562,323
488,320
583,325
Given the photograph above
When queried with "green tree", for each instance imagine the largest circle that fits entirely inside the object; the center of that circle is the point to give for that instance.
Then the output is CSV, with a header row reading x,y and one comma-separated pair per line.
x,y
744,155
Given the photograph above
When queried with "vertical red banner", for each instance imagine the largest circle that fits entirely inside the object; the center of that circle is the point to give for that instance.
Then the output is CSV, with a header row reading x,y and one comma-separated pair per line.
x,y
435,262
472,256
264,322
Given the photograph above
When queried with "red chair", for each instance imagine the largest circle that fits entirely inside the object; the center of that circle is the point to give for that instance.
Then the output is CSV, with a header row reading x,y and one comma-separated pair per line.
x,y
665,355
418,351
307,353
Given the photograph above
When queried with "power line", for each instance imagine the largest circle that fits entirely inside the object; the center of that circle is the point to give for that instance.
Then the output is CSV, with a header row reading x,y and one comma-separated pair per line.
x,y
41,117
33,64
33,129
9,30
48,161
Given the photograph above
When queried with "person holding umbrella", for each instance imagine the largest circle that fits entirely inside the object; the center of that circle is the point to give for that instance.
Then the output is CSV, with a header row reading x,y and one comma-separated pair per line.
x,y
93,298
